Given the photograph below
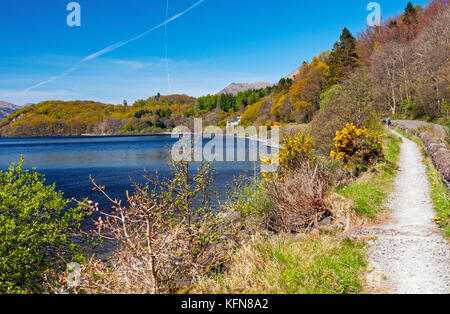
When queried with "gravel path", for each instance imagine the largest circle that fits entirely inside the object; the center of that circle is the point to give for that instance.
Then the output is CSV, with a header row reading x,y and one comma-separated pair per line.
x,y
409,254
415,124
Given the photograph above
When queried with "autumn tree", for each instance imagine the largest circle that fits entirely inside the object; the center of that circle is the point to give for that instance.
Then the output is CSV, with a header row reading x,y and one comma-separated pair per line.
x,y
309,84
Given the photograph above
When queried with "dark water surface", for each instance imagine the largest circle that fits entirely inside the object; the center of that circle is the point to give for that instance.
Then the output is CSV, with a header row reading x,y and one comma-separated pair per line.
x,y
113,161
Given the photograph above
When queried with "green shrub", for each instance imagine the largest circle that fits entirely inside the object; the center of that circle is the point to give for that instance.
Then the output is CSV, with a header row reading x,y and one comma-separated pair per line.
x,y
250,200
128,128
189,112
141,113
412,110
36,231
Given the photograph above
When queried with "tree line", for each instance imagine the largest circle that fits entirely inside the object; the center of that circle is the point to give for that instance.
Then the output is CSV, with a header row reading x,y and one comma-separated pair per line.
x,y
399,69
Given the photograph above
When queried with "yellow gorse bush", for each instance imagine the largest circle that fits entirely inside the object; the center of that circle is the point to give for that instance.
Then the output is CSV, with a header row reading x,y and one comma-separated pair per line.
x,y
270,162
357,147
296,152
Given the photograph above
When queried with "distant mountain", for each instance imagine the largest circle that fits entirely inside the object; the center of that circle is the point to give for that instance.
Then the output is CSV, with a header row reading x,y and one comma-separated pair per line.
x,y
234,88
6,109
292,74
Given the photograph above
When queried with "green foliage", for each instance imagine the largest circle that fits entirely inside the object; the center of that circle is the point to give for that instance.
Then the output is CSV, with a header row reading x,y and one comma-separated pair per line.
x,y
160,124
250,97
128,128
143,125
284,84
286,264
410,12
249,200
164,113
440,196
330,94
353,101
140,113
189,112
226,102
412,110
367,197
37,231
343,58
207,103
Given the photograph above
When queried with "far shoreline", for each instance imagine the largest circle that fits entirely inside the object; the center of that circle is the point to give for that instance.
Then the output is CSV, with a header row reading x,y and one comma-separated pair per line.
x,y
266,142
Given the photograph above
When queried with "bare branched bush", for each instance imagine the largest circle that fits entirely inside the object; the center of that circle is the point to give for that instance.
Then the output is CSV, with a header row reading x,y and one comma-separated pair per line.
x,y
298,201
167,235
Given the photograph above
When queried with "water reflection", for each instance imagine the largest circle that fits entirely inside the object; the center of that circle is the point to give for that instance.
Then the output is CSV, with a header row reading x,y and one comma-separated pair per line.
x,y
113,161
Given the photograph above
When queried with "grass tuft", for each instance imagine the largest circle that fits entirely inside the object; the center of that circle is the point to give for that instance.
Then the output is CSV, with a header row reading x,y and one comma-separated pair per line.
x,y
288,264
369,193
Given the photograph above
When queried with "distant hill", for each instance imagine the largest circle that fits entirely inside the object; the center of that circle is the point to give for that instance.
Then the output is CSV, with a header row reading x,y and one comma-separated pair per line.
x,y
63,118
292,74
234,88
6,109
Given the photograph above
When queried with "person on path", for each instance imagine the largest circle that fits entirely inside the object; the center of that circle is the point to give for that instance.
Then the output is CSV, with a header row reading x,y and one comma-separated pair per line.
x,y
388,123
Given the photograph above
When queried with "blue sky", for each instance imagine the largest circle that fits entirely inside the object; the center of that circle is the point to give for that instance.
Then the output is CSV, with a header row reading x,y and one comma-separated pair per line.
x,y
210,46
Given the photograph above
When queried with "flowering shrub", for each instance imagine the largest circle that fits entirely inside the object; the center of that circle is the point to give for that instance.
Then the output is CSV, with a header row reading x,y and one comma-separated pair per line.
x,y
357,148
297,189
296,152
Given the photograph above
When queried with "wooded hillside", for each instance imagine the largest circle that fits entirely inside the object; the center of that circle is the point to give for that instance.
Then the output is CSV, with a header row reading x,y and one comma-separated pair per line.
x,y
400,69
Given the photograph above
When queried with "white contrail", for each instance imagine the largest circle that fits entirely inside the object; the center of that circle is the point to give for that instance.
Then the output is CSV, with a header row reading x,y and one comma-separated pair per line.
x,y
115,46
165,50
53,78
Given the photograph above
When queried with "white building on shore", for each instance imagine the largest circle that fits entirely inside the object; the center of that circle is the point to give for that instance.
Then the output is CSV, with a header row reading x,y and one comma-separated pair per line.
x,y
234,122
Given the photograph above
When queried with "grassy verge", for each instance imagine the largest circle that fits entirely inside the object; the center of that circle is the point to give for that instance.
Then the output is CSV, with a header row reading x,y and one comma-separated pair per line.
x,y
439,192
288,264
369,193
318,263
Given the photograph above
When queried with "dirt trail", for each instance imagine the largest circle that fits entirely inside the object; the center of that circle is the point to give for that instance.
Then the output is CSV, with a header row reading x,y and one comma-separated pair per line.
x,y
409,253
